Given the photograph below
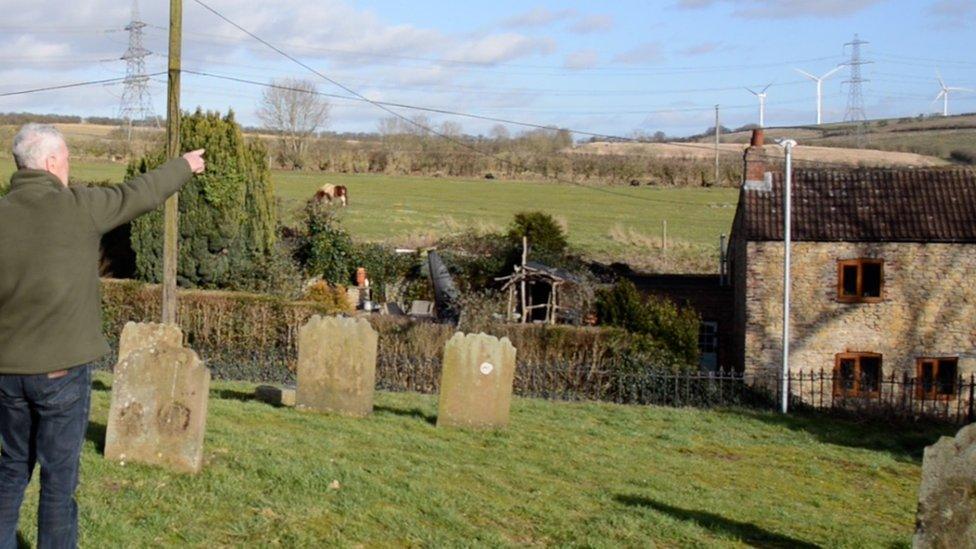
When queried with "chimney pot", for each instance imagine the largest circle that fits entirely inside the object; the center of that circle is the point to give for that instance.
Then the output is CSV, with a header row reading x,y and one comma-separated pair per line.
x,y
757,138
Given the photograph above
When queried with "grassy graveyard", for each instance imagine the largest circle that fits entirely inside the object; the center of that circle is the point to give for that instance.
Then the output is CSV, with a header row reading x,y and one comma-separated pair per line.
x,y
562,474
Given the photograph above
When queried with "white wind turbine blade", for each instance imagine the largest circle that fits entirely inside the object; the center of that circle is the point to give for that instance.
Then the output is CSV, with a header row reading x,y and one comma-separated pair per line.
x,y
767,87
805,73
959,89
750,91
939,96
938,75
831,71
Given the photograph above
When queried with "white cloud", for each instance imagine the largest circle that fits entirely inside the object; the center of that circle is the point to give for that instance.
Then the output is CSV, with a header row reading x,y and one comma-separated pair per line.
x,y
592,23
649,52
785,9
538,17
700,48
498,48
581,59
954,13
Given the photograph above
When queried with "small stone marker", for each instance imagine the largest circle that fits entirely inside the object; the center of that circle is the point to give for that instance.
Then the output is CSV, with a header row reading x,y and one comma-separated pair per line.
x,y
476,381
337,365
946,514
276,396
138,335
159,401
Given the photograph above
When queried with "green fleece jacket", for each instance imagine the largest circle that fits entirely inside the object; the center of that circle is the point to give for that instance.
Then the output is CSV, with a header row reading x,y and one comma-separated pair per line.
x,y
50,303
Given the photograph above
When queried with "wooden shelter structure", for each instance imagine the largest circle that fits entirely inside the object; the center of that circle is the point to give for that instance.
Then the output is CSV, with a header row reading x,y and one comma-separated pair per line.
x,y
536,287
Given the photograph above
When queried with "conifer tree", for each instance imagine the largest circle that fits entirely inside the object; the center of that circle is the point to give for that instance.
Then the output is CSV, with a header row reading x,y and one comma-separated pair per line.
x,y
227,217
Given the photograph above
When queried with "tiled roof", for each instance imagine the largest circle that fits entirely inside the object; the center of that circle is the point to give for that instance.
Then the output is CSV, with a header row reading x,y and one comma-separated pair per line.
x,y
867,205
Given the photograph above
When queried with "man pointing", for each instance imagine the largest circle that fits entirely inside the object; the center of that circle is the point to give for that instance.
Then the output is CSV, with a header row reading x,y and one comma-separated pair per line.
x,y
50,319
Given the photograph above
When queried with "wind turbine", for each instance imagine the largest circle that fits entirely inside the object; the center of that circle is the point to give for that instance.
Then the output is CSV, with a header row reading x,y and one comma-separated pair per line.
x,y
944,93
819,82
762,103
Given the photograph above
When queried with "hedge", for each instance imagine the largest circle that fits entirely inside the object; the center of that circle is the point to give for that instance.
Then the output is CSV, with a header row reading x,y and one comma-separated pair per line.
x,y
254,337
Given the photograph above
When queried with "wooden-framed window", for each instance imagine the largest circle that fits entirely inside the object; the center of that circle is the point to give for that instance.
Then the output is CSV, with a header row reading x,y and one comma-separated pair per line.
x,y
860,280
857,375
936,378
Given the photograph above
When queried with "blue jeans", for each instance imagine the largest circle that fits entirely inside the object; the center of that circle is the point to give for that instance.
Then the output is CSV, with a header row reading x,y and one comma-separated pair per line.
x,y
43,419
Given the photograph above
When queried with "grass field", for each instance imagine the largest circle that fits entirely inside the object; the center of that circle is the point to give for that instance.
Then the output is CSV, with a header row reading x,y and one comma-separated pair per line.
x,y
605,223
575,474
621,223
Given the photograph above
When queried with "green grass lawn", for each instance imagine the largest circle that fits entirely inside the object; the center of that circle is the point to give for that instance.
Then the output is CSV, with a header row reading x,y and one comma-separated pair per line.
x,y
80,170
578,474
605,223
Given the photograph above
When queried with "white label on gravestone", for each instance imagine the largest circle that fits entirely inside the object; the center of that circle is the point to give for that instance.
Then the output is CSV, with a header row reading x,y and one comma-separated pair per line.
x,y
486,368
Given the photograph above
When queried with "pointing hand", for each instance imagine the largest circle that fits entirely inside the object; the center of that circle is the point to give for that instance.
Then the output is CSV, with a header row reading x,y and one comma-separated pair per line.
x,y
196,161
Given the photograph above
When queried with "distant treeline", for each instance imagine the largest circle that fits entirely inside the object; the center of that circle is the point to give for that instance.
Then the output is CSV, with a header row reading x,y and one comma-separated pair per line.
x,y
20,118
400,148
538,154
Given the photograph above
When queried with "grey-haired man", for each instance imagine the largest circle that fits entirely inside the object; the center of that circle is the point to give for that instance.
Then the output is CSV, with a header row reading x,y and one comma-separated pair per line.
x,y
50,319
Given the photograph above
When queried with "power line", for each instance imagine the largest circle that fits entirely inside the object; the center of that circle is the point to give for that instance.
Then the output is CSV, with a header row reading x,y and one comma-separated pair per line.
x,y
72,85
551,92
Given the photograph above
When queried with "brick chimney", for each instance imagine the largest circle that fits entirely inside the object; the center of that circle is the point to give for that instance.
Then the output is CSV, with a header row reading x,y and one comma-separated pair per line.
x,y
754,170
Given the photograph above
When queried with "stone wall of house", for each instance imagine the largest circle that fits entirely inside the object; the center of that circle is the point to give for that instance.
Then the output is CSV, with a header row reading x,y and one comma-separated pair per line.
x,y
928,307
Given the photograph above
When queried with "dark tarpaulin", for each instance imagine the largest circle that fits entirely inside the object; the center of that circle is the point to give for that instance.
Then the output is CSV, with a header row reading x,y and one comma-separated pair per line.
x,y
446,295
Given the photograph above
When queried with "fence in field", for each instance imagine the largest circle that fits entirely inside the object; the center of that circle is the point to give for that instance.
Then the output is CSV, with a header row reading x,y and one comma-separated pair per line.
x,y
892,396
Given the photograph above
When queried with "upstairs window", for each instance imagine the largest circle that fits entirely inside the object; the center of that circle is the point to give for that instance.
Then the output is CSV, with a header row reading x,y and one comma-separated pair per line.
x,y
857,375
936,378
860,280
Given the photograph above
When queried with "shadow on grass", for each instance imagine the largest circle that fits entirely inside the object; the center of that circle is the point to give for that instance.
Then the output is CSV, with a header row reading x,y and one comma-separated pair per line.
x,y
904,440
231,394
412,412
96,434
748,533
99,385
22,542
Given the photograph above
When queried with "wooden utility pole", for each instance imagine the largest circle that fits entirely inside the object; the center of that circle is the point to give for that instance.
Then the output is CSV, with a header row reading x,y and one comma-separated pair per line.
x,y
170,233
717,132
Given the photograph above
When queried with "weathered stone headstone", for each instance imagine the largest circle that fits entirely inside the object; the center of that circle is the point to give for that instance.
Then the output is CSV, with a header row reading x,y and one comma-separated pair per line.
x,y
276,396
139,335
337,365
946,516
158,412
476,381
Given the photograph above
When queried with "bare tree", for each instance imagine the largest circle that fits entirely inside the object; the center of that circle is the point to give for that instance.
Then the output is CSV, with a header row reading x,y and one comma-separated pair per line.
x,y
499,133
295,112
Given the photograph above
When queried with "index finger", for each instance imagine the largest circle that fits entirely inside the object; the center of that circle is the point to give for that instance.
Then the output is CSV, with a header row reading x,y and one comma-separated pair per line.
x,y
199,151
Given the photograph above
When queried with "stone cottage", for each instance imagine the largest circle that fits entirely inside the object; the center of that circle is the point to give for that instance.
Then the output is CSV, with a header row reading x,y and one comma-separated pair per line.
x,y
883,274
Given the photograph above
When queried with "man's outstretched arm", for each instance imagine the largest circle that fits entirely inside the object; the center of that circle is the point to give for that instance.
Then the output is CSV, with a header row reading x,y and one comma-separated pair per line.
x,y
114,205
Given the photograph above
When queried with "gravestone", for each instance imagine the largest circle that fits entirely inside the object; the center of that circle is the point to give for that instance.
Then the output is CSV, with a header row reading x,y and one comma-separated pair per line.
x,y
158,412
337,365
946,514
476,381
276,396
137,335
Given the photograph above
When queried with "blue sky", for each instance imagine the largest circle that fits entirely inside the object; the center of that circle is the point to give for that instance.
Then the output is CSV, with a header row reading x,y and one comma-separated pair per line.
x,y
612,68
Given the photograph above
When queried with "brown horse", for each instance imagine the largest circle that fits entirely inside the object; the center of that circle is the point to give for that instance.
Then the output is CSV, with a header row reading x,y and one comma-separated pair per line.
x,y
329,193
